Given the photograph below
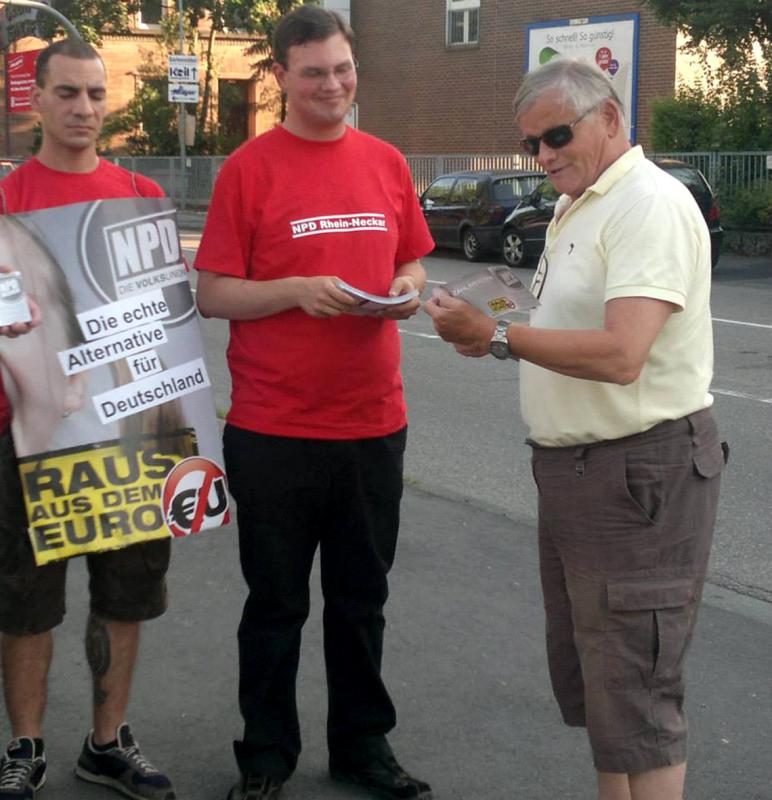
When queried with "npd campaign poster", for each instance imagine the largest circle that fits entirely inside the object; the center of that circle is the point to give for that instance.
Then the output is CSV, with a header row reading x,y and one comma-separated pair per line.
x,y
610,42
113,417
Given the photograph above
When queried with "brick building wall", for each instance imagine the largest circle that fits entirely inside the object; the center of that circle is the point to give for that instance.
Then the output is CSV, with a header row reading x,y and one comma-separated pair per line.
x,y
123,55
426,97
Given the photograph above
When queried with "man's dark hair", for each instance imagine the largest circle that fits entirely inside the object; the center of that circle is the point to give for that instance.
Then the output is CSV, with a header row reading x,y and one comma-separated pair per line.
x,y
72,48
307,23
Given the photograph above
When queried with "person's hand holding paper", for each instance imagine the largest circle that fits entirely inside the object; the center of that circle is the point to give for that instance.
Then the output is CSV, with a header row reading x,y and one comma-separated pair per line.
x,y
458,322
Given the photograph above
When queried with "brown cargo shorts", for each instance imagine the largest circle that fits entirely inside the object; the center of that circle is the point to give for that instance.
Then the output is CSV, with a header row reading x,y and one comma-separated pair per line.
x,y
127,585
625,529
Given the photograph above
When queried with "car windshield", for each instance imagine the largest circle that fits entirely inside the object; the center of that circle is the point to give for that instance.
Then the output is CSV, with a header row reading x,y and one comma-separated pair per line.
x,y
548,192
464,192
508,188
438,192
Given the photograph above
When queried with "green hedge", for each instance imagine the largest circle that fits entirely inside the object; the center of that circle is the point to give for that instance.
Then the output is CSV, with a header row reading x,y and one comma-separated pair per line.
x,y
748,209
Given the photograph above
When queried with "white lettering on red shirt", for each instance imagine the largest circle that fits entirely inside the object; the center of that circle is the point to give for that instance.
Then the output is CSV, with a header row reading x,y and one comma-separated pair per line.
x,y
338,223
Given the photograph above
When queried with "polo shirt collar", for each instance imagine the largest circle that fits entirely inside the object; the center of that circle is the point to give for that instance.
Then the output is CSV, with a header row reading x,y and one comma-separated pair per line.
x,y
617,170
605,182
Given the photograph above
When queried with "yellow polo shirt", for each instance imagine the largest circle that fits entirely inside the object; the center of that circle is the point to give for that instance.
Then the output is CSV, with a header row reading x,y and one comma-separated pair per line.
x,y
636,232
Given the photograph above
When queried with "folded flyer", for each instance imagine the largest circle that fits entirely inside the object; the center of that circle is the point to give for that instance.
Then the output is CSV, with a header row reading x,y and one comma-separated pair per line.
x,y
495,290
368,303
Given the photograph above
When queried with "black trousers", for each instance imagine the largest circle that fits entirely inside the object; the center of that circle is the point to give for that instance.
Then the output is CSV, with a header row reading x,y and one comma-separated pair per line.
x,y
294,495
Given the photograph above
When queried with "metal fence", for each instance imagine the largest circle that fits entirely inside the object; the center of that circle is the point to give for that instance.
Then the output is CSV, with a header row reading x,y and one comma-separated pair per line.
x,y
194,183
426,168
726,172
729,172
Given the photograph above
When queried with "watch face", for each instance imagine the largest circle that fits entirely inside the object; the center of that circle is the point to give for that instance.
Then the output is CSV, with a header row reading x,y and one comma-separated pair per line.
x,y
500,350
499,343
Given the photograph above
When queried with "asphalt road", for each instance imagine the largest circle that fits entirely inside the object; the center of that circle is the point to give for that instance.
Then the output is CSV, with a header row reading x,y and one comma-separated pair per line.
x,y
467,438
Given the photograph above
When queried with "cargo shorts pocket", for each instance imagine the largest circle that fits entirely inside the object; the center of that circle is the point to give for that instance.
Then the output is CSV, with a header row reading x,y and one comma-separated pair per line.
x,y
650,622
710,461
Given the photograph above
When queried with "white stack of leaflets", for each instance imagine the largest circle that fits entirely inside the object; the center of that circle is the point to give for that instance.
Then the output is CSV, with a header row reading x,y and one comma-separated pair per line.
x,y
369,303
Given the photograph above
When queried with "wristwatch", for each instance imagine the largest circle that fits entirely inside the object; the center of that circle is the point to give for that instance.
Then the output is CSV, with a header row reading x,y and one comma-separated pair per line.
x,y
499,343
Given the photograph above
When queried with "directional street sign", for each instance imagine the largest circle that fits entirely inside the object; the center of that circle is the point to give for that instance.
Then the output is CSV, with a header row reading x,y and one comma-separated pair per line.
x,y
183,69
183,92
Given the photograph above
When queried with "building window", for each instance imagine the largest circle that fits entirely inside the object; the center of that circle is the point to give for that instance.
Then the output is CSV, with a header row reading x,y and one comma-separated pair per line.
x,y
463,21
233,109
150,13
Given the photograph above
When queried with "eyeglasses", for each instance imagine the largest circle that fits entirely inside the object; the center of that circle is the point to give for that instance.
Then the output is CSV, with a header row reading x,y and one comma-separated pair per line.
x,y
556,137
343,72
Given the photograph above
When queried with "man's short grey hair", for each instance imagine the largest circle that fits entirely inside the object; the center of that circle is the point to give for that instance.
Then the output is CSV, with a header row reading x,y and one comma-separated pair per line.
x,y
581,84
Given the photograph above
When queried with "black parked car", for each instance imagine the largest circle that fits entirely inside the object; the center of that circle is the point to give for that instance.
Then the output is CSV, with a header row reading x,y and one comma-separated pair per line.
x,y
467,209
522,236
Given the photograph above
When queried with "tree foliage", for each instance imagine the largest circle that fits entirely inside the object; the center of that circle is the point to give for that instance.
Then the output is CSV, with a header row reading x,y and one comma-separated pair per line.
x,y
256,17
267,15
684,122
722,114
730,27
730,108
93,19
149,121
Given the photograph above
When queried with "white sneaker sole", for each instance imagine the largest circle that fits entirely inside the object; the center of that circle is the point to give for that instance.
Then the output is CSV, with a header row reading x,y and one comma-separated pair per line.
x,y
103,780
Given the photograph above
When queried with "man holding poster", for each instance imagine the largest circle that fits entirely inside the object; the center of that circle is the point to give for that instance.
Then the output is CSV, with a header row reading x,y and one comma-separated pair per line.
x,y
126,585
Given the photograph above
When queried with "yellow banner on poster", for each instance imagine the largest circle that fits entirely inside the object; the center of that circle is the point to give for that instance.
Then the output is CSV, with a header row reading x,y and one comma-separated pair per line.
x,y
99,497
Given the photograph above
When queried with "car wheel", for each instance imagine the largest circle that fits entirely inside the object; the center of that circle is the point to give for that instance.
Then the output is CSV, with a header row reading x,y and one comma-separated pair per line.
x,y
513,248
470,244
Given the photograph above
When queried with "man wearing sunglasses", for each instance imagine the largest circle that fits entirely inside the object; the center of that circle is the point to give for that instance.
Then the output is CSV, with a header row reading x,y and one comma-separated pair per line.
x,y
615,369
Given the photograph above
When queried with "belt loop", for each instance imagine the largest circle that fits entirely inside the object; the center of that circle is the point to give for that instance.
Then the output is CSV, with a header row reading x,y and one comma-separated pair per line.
x,y
693,429
579,459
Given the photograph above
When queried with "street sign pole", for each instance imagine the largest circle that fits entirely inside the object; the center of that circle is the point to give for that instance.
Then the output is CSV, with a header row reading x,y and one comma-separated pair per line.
x,y
71,29
182,117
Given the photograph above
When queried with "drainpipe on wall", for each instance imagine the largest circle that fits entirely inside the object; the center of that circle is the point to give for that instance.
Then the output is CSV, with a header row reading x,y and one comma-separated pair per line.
x,y
343,7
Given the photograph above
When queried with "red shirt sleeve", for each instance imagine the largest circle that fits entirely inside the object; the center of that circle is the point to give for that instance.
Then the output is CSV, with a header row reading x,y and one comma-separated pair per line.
x,y
147,187
415,240
226,240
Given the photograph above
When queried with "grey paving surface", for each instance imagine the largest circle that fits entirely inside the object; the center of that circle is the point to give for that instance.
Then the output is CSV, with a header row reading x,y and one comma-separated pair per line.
x,y
464,660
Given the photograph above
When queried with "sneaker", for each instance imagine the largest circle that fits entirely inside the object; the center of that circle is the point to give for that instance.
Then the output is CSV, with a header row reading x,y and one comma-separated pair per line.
x,y
255,787
123,768
22,769
383,776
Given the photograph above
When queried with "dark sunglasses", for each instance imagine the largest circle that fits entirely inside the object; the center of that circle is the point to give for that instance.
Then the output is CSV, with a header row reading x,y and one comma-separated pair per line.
x,y
556,137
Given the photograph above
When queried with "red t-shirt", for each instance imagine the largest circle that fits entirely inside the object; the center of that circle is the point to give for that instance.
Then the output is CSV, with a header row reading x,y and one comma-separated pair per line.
x,y
33,186
284,206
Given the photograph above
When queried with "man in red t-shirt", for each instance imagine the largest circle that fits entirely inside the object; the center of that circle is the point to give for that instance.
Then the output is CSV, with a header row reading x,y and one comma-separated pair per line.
x,y
126,586
316,433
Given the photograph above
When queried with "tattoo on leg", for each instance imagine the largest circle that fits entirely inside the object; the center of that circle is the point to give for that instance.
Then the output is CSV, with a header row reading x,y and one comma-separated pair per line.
x,y
98,655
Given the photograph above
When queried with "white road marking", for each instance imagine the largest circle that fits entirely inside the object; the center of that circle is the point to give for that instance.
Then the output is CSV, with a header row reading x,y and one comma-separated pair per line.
x,y
742,395
737,322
